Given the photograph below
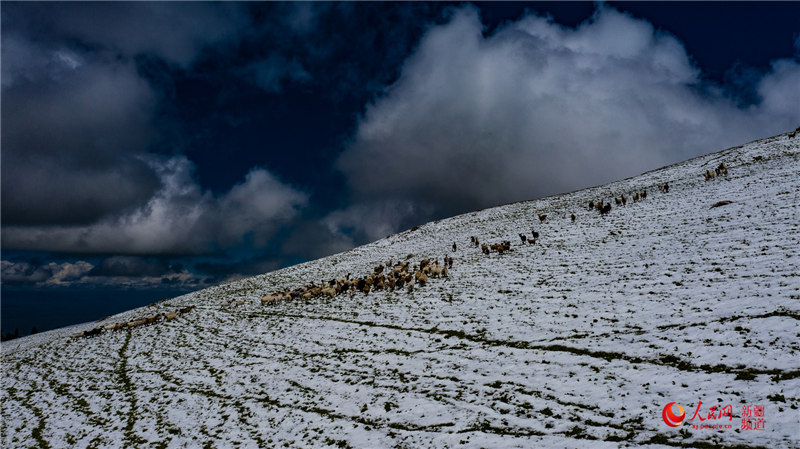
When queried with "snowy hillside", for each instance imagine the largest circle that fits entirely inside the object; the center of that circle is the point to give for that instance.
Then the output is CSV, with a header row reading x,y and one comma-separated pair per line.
x,y
579,340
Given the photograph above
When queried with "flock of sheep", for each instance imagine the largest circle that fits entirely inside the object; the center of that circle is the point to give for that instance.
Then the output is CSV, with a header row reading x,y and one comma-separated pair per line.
x,y
721,170
386,276
135,323
390,276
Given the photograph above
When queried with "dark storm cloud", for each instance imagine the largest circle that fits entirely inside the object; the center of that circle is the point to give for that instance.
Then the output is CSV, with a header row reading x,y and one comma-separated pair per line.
x,y
176,32
80,173
78,118
536,108
72,139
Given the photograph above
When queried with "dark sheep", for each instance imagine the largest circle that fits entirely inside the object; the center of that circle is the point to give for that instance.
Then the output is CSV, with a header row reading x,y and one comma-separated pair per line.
x,y
187,309
93,332
606,209
455,248
572,217
542,217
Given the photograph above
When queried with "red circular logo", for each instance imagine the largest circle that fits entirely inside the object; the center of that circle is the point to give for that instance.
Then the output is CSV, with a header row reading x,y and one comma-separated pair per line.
x,y
671,418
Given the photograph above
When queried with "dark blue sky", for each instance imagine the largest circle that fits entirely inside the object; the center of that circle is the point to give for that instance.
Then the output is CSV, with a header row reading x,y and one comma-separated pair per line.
x,y
164,147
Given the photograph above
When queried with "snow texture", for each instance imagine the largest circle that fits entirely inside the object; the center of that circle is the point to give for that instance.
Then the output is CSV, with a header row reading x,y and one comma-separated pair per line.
x,y
577,341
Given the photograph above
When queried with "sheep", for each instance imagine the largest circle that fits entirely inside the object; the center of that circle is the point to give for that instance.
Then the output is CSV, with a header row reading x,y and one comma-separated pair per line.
x,y
618,201
455,248
624,200
606,209
635,197
531,241
572,217
424,263
91,333
173,315
379,269
591,204
721,169
643,195
409,256
186,309
534,234
239,303
421,278
523,237
542,217
400,268
137,323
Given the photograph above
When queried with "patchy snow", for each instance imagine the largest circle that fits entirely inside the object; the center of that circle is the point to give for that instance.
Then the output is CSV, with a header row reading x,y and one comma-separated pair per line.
x,y
577,341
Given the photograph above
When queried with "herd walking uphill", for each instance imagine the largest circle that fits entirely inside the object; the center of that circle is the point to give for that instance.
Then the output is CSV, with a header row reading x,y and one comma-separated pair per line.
x,y
391,276
386,276
150,319
676,295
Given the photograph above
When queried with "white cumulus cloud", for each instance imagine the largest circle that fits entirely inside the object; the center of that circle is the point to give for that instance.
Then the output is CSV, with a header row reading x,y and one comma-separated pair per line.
x,y
536,108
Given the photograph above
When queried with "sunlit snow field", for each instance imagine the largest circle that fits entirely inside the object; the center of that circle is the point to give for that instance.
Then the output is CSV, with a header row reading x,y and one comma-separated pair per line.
x,y
577,341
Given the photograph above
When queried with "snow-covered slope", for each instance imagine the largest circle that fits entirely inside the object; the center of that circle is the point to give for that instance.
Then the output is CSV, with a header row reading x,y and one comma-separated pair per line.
x,y
577,341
